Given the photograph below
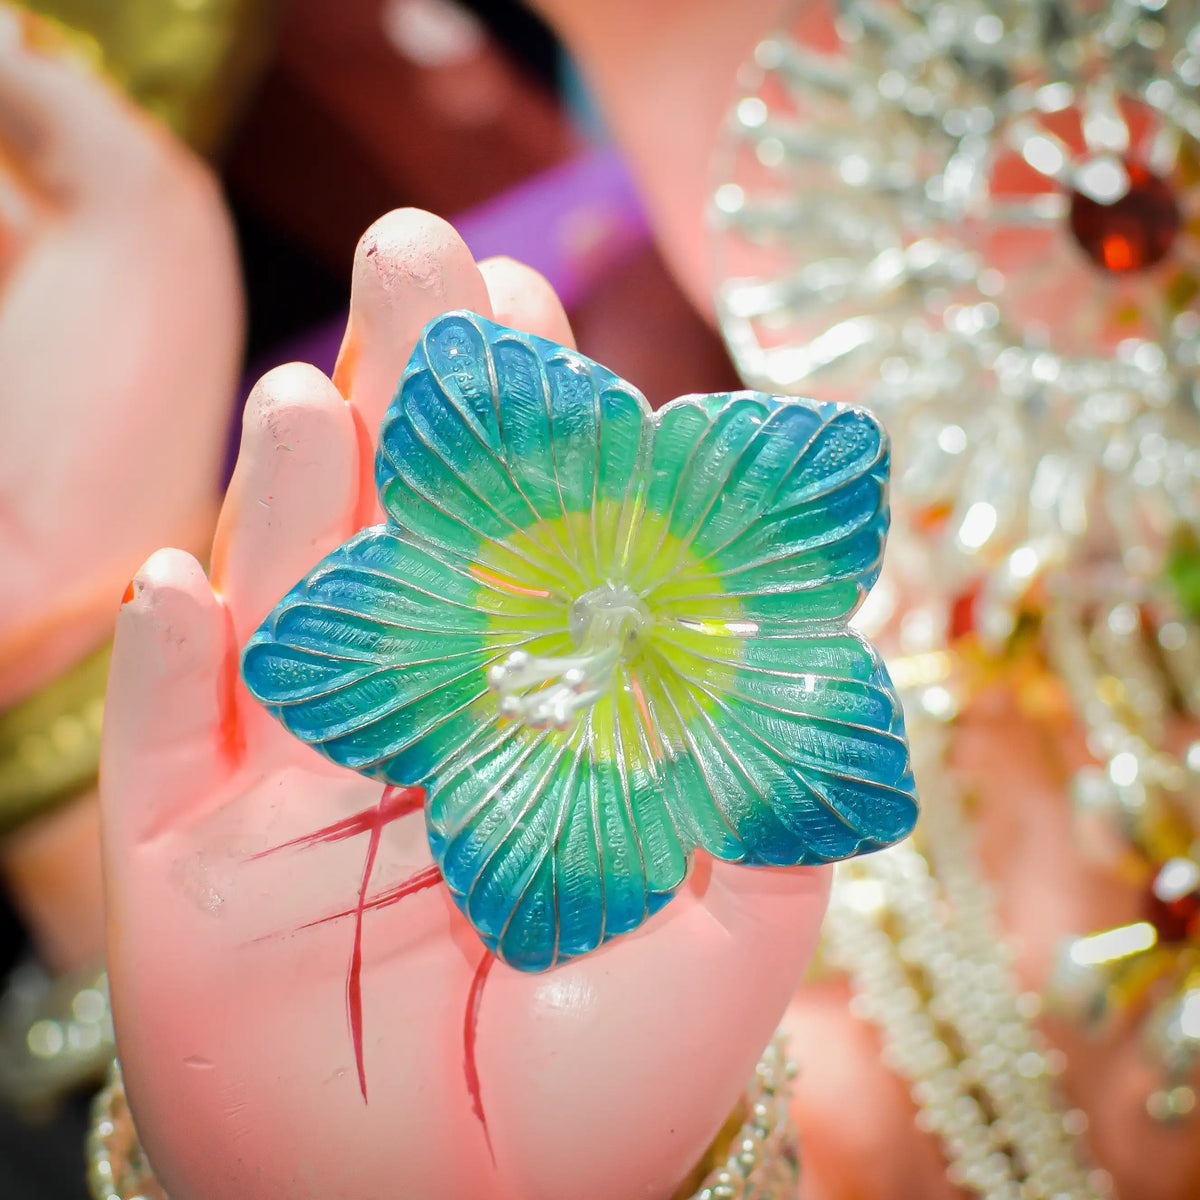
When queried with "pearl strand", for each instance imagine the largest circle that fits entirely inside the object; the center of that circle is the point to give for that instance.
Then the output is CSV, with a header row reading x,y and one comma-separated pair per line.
x,y
764,1158
918,938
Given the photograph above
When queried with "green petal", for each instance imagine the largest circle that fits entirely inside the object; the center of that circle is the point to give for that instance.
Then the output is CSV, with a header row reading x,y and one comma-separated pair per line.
x,y
378,658
512,451
784,749
779,512
553,843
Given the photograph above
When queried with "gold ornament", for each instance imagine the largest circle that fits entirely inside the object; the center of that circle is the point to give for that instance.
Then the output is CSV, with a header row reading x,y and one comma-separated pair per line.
x,y
50,742
188,62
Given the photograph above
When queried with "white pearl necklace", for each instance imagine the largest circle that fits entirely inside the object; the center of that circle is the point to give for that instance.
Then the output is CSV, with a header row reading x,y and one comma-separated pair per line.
x,y
919,940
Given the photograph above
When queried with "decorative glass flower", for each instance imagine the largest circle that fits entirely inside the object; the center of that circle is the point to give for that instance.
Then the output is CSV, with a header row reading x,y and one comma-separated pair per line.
x,y
601,638
983,220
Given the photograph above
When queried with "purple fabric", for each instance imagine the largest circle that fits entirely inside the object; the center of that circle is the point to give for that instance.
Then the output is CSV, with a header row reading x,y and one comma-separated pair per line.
x,y
570,222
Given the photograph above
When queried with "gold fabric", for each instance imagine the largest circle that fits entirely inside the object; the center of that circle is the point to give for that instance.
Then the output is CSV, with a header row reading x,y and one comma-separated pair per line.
x,y
188,62
50,743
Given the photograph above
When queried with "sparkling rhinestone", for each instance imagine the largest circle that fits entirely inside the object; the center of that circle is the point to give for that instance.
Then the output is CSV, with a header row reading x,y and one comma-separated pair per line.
x,y
1133,231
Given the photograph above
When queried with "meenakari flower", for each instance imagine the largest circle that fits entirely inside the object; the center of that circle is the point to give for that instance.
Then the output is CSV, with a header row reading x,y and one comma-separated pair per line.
x,y
601,638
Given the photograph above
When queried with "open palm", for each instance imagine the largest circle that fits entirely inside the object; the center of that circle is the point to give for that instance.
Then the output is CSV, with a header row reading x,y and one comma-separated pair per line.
x,y
274,921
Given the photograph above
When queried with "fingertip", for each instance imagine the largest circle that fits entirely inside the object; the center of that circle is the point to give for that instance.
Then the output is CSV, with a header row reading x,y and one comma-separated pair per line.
x,y
524,299
294,491
289,401
408,254
169,591
289,385
409,267
170,627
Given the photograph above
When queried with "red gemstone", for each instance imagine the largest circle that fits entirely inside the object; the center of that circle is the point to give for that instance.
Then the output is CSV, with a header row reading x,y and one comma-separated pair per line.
x,y
1175,920
1133,232
963,612
1172,903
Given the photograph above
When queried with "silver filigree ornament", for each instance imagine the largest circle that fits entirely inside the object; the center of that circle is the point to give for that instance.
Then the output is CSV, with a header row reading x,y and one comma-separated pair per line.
x,y
983,219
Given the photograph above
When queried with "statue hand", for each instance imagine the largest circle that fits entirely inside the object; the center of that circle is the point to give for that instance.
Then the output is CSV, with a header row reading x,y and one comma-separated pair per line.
x,y
120,335
233,960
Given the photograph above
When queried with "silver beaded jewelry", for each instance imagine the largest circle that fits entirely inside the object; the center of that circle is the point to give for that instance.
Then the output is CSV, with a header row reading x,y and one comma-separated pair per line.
x,y
763,1162
917,935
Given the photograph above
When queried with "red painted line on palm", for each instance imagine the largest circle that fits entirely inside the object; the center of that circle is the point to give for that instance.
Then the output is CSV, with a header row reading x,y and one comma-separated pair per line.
x,y
426,877
470,1034
396,802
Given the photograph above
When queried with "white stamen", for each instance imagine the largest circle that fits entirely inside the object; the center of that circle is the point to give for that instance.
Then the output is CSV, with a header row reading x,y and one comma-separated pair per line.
x,y
545,691
549,691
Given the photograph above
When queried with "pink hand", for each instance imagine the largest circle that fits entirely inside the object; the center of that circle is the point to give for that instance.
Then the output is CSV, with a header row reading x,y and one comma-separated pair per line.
x,y
120,335
607,1077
